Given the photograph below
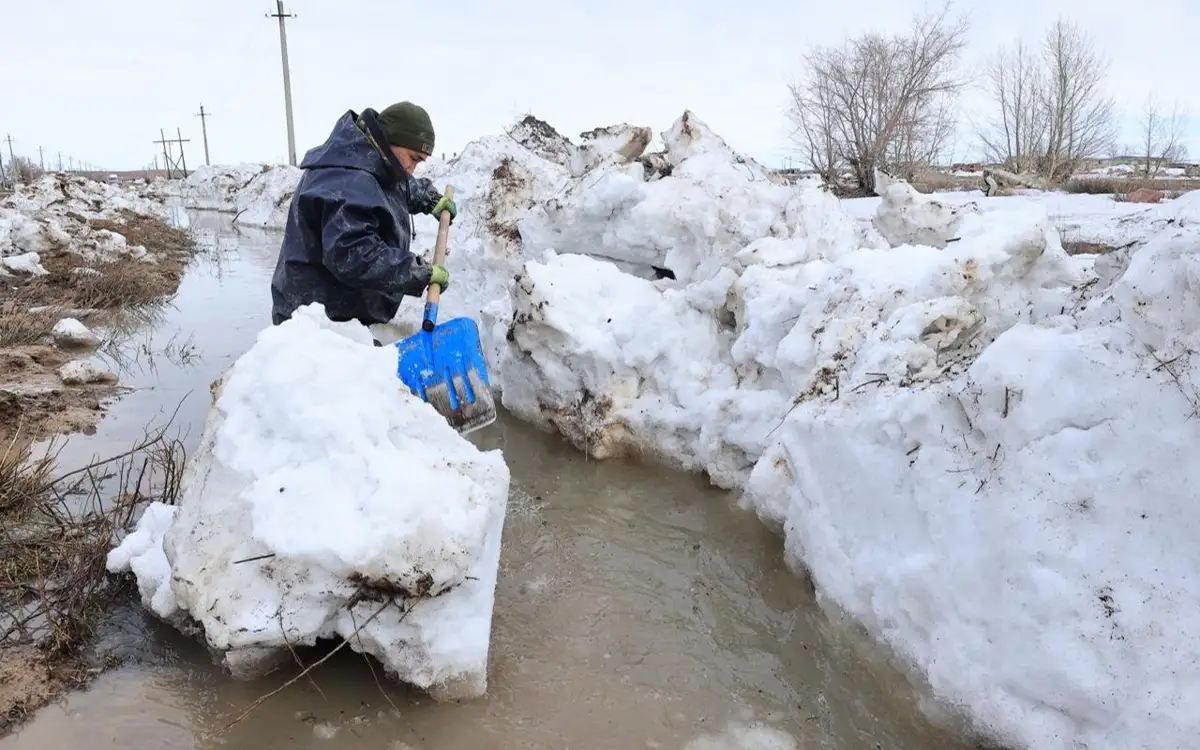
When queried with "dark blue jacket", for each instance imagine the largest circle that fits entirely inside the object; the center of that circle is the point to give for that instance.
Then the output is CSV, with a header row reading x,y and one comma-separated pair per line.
x,y
346,242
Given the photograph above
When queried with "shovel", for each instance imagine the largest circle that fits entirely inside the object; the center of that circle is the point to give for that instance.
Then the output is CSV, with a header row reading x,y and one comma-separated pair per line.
x,y
443,364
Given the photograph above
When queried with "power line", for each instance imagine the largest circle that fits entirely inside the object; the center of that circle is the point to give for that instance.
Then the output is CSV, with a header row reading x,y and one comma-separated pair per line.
x,y
204,129
287,77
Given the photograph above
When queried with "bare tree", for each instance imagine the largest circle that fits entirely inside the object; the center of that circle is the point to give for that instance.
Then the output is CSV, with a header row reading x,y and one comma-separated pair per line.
x,y
880,102
23,169
1015,80
1161,138
1050,111
1081,117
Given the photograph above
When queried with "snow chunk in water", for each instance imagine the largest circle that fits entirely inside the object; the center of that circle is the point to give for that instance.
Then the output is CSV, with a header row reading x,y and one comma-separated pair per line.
x,y
141,552
351,491
70,332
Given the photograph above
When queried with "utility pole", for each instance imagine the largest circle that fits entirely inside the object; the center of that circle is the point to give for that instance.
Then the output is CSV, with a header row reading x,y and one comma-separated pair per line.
x,y
204,129
41,159
60,161
11,158
182,157
172,164
287,77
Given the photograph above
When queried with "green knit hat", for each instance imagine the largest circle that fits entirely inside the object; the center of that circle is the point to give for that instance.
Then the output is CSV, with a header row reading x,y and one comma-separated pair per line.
x,y
407,125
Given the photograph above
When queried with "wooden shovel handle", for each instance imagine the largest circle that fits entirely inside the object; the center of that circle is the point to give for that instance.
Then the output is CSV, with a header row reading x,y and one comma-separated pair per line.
x,y
439,250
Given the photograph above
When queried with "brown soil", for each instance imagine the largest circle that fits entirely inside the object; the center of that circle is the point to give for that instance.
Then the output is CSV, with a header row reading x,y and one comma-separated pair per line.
x,y
26,682
35,402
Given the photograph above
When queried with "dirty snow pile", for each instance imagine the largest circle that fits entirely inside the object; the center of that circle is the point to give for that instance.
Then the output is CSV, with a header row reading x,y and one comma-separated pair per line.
x,y
61,213
312,510
257,194
975,442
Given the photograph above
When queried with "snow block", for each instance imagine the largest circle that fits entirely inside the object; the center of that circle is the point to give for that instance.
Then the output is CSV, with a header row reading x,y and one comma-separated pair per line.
x,y
908,217
620,367
325,501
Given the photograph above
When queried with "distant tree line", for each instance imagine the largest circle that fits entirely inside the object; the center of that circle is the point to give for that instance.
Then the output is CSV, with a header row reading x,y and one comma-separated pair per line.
x,y
891,102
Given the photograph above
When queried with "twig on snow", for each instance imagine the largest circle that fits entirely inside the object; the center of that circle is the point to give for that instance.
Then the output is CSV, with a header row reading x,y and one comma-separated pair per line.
x,y
345,641
283,632
256,558
367,659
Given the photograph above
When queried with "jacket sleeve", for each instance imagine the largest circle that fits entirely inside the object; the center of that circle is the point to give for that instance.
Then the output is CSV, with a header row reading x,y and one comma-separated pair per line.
x,y
356,255
422,195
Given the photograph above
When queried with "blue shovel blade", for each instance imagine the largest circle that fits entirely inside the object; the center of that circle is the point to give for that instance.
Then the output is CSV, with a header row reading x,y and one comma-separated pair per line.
x,y
436,358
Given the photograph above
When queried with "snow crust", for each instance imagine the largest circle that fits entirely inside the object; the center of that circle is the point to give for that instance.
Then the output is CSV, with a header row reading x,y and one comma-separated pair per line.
x,y
973,441
358,503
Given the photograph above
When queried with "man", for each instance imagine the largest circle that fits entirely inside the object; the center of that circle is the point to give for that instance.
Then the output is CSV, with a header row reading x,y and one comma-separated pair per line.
x,y
349,228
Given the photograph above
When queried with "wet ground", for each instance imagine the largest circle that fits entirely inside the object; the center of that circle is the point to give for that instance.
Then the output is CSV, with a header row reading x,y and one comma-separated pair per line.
x,y
636,607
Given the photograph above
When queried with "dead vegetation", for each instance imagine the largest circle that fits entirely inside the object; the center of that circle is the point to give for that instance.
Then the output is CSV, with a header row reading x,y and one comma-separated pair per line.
x,y
74,281
20,326
55,535
1122,186
33,399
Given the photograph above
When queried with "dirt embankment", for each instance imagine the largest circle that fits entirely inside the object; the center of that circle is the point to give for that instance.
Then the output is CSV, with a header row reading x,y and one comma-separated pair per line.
x,y
70,265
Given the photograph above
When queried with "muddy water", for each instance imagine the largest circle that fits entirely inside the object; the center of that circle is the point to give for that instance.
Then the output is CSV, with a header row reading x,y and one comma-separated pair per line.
x,y
636,607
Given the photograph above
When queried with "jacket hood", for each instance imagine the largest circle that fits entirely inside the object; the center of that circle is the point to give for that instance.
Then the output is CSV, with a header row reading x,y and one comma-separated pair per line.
x,y
347,146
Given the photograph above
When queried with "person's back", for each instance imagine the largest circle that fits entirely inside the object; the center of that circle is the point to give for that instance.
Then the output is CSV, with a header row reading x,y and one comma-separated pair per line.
x,y
349,227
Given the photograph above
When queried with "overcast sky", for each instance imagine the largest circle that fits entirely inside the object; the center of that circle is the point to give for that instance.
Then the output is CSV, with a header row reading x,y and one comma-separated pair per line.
x,y
97,80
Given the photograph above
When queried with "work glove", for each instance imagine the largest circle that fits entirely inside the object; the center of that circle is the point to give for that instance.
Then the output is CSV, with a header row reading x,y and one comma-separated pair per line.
x,y
440,276
444,204
432,274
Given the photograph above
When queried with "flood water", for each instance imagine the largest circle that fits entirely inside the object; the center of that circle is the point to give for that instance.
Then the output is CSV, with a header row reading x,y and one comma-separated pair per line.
x,y
636,607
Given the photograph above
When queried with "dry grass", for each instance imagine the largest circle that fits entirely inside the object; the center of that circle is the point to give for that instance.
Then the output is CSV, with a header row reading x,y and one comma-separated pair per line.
x,y
933,182
125,282
19,327
55,535
1124,185
23,478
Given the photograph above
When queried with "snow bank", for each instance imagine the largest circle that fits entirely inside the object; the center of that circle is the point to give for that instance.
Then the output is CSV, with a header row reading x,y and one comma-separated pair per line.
x,y
312,510
258,194
61,213
938,416
970,438
1022,529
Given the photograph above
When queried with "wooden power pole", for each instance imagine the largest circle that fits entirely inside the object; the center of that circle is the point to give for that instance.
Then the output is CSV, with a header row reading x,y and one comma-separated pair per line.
x,y
204,129
287,77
